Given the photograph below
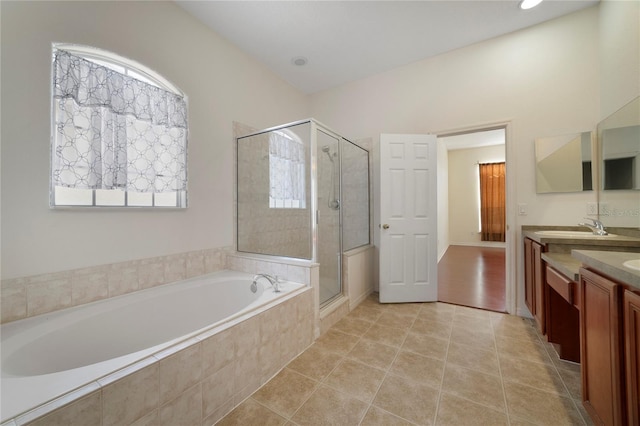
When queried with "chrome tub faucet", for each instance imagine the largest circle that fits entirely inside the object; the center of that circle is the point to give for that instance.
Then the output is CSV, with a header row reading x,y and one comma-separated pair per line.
x,y
274,281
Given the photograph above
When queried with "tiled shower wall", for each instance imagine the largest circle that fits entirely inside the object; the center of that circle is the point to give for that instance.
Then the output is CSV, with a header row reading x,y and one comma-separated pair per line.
x,y
356,196
328,222
265,230
39,294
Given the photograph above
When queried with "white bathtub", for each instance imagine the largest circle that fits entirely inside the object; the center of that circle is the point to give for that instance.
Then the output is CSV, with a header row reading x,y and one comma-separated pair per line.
x,y
48,356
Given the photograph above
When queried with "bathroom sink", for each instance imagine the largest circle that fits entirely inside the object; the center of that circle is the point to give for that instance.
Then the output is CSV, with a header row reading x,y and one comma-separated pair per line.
x,y
572,234
633,264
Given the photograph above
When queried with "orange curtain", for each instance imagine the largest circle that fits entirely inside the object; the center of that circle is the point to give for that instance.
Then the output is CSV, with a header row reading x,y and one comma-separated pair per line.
x,y
492,201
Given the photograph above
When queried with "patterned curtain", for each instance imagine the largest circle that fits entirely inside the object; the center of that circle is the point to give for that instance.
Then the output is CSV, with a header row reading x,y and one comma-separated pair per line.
x,y
287,178
114,131
492,201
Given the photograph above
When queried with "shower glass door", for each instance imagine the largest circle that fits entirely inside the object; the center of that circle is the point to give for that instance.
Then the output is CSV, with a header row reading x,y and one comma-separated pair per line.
x,y
274,192
329,243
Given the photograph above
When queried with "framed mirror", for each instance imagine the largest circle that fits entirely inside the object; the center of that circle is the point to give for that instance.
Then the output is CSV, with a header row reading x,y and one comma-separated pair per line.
x,y
564,163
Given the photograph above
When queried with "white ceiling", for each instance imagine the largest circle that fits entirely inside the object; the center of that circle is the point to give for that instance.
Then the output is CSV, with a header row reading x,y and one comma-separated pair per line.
x,y
349,40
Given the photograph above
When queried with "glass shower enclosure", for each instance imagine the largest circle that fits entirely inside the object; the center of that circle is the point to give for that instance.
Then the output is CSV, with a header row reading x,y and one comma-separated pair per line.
x,y
303,192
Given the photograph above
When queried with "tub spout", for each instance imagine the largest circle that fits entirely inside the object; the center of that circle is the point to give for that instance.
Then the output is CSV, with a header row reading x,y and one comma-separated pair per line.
x,y
274,281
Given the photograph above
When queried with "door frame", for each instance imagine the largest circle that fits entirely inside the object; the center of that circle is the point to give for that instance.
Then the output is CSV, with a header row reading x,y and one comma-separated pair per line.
x,y
510,203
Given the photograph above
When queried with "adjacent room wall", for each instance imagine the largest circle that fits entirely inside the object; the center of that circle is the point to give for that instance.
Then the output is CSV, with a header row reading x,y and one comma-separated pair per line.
x,y
562,76
464,184
222,84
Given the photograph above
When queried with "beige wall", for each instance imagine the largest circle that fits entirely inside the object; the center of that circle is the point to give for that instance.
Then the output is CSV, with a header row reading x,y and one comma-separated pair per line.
x,y
464,184
619,46
222,85
543,80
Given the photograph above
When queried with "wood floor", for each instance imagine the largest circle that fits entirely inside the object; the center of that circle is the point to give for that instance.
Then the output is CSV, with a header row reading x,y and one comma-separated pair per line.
x,y
473,276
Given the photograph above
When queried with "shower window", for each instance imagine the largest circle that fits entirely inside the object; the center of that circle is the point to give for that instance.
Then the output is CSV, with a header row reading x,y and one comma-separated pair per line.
x,y
119,133
286,171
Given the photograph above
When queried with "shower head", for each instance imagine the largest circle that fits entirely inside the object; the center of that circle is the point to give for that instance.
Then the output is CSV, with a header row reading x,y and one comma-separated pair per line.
x,y
327,150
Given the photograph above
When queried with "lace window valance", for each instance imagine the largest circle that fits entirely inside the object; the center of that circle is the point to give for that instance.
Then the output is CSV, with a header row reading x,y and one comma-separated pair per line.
x,y
287,176
113,131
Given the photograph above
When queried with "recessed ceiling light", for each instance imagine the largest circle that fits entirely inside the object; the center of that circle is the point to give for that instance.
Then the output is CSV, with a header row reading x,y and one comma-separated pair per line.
x,y
529,4
299,61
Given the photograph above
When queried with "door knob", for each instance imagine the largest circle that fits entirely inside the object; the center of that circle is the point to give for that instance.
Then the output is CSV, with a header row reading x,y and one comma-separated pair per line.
x,y
385,226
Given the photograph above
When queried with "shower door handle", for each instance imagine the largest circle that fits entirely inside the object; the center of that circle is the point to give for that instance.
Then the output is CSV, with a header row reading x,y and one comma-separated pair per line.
x,y
385,226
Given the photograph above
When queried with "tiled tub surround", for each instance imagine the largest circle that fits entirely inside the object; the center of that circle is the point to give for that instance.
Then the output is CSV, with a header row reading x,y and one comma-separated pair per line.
x,y
195,381
296,270
39,294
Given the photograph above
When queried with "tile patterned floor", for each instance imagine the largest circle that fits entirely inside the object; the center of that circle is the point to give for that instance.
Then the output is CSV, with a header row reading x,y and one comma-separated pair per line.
x,y
421,364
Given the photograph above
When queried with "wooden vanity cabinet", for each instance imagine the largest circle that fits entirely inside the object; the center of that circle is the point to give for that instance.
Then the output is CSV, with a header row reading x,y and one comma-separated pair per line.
x,y
601,348
534,289
529,298
631,304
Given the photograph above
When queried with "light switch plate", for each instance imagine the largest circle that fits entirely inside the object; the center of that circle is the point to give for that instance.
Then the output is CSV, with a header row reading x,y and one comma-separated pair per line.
x,y
522,209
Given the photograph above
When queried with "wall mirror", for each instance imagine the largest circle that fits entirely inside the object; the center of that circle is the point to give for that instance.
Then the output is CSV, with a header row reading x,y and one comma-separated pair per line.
x,y
563,163
619,136
619,151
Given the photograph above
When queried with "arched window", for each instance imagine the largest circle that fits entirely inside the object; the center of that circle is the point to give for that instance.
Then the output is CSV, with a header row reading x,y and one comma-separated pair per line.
x,y
119,133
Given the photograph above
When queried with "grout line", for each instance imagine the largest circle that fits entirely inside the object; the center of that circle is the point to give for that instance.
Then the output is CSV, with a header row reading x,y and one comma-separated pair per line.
x,y
444,369
387,370
504,392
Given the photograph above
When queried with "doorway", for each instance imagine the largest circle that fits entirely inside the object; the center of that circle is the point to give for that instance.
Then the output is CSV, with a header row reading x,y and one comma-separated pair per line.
x,y
471,271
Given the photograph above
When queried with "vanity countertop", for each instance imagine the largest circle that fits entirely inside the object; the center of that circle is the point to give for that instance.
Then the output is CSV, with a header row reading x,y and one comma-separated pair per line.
x,y
626,241
611,264
564,263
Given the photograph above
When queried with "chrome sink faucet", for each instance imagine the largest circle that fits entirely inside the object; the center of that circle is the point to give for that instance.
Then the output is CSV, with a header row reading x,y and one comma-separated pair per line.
x,y
597,227
274,281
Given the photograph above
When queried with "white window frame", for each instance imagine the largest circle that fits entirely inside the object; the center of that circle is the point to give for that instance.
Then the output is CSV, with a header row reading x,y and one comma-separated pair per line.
x,y
62,197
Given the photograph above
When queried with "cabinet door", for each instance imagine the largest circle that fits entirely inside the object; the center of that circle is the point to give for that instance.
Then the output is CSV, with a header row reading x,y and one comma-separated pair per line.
x,y
600,344
529,298
538,287
632,354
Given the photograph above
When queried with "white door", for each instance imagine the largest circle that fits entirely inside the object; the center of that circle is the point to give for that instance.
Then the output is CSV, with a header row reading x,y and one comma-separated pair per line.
x,y
408,234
